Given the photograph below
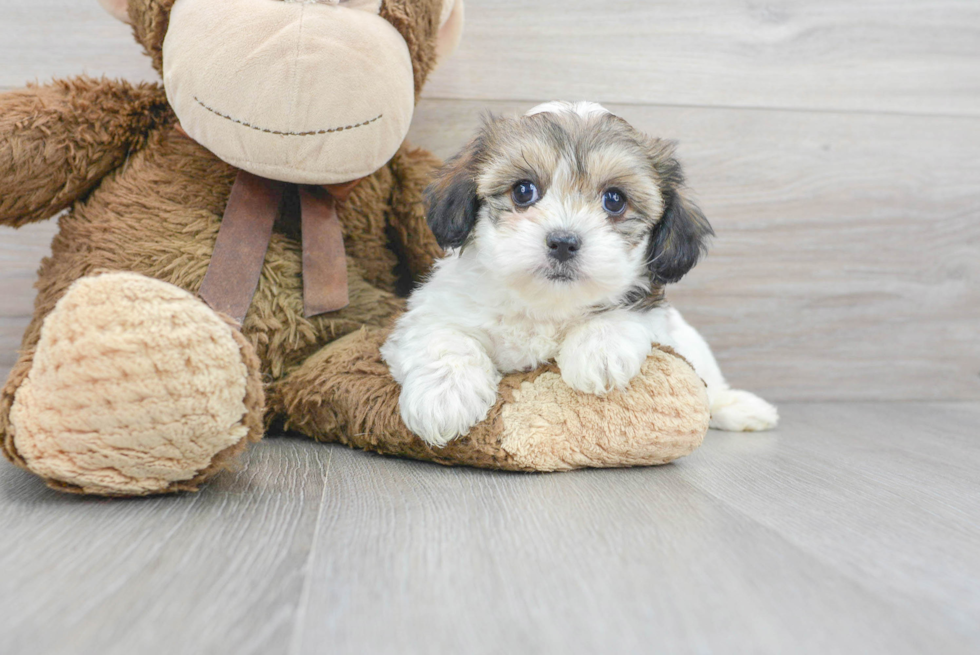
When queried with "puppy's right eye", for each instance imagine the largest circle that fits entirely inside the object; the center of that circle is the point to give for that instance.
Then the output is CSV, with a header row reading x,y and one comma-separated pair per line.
x,y
524,193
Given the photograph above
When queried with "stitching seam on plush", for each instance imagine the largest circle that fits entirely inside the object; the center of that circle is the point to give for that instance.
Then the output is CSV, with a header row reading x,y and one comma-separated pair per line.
x,y
268,131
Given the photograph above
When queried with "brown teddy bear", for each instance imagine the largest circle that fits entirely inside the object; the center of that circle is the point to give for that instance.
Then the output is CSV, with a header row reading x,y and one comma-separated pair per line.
x,y
218,269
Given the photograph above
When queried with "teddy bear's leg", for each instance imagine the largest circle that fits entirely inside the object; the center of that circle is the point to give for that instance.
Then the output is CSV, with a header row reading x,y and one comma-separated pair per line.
x,y
135,387
345,393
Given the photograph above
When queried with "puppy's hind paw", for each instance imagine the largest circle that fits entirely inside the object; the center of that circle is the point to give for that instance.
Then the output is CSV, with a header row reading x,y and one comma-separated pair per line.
x,y
740,411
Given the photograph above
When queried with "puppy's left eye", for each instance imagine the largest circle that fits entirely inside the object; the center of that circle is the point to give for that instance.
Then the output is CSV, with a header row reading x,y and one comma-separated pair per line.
x,y
524,193
614,201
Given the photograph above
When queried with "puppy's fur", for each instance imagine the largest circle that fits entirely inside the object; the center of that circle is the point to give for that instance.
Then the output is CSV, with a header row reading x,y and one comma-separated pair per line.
x,y
544,264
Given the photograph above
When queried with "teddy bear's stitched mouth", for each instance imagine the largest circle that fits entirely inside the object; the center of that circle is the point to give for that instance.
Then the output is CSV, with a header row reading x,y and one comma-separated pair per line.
x,y
281,133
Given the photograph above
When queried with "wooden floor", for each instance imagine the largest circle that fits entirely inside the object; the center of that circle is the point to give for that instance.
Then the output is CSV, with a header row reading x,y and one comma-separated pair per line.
x,y
835,146
853,529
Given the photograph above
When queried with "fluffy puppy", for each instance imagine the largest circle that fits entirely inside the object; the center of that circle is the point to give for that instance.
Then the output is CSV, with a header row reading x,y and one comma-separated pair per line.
x,y
562,228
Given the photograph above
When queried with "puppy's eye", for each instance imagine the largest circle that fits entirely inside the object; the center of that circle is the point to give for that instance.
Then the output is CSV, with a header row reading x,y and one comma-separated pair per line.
x,y
524,193
614,201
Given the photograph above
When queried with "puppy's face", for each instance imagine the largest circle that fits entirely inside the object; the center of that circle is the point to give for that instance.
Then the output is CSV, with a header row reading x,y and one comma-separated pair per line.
x,y
570,206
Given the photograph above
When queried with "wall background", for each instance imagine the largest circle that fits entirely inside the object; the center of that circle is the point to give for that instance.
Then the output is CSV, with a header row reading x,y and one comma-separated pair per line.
x,y
835,146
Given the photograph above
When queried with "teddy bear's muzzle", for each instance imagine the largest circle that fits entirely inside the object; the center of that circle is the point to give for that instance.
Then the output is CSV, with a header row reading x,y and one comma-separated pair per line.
x,y
310,93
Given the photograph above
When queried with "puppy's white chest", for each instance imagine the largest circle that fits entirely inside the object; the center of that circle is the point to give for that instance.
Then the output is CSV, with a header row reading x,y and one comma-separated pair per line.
x,y
518,343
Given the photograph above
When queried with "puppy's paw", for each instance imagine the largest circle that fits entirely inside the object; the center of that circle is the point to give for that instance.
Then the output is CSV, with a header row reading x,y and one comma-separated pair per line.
x,y
741,411
599,357
447,399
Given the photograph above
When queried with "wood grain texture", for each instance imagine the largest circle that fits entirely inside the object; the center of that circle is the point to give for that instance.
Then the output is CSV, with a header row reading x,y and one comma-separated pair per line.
x,y
847,259
21,252
847,263
820,537
42,39
867,55
851,529
886,494
221,571
870,55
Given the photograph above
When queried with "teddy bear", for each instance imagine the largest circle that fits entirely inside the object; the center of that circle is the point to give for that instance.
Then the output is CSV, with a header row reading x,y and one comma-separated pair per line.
x,y
233,246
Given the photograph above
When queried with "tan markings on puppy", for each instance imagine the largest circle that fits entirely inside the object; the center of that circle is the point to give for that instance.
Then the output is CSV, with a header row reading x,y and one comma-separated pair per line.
x,y
564,225
596,154
629,170
578,160
540,187
515,154
508,217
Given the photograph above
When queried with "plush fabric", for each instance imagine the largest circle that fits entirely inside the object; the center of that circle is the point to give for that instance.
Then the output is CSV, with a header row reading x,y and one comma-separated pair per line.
x,y
127,384
136,387
345,393
60,140
308,122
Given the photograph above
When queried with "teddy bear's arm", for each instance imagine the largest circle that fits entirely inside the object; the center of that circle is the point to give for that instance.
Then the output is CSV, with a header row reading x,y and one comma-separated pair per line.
x,y
58,140
413,169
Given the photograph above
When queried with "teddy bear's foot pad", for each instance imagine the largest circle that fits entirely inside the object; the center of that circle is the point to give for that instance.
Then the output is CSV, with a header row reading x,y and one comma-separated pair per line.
x,y
136,388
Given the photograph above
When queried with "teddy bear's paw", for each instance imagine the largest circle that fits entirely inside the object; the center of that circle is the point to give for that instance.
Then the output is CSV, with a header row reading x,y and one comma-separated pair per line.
x,y
546,425
740,411
136,388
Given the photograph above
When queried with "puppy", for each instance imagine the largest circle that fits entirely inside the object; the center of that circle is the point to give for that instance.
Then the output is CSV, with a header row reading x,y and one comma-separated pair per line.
x,y
562,228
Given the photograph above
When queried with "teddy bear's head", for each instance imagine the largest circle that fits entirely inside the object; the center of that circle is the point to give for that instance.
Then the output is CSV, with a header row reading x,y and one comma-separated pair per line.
x,y
304,91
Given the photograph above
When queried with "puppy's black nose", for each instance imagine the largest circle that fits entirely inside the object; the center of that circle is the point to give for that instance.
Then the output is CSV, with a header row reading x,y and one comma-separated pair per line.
x,y
562,245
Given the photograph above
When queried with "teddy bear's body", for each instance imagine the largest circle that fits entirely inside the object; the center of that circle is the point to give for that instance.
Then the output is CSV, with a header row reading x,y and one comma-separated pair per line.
x,y
129,384
158,210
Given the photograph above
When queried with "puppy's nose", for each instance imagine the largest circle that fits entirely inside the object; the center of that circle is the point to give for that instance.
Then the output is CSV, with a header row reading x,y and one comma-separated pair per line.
x,y
562,245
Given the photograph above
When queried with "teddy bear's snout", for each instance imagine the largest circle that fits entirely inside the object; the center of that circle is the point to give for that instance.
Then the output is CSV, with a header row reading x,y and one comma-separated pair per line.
x,y
299,91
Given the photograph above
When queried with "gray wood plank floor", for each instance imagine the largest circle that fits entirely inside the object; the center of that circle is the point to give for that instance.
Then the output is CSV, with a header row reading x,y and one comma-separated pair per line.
x,y
222,571
854,528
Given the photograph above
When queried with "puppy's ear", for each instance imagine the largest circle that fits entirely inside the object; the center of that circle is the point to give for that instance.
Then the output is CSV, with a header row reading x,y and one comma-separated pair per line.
x,y
452,199
679,240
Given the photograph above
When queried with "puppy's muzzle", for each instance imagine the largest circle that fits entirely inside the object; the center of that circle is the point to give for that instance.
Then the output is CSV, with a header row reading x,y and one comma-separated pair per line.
x,y
562,245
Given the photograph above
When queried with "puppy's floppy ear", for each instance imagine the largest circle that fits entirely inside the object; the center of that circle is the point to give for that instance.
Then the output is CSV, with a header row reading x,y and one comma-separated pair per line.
x,y
452,199
679,239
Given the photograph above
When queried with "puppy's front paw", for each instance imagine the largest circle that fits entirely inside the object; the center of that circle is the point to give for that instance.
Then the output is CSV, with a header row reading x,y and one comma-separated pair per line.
x,y
741,411
599,358
446,400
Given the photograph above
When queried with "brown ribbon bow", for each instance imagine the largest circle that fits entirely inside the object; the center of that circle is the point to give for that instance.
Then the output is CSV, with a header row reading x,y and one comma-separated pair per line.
x,y
243,239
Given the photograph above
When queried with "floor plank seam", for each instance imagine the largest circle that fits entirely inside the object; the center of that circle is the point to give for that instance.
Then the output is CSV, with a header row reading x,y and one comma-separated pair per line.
x,y
775,108
886,595
296,640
